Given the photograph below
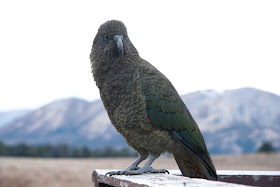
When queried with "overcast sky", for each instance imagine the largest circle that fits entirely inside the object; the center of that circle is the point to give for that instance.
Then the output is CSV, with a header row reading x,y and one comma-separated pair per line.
x,y
45,45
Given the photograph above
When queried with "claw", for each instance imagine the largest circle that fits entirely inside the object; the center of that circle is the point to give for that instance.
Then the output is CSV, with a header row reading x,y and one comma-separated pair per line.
x,y
111,173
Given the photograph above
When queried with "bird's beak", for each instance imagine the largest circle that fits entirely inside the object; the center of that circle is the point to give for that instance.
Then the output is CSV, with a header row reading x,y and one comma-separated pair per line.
x,y
119,41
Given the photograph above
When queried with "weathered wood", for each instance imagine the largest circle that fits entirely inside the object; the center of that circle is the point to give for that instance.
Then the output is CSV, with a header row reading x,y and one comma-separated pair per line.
x,y
174,179
253,178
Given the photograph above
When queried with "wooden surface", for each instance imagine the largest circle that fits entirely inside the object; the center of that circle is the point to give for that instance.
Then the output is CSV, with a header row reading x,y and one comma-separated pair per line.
x,y
254,178
174,179
51,172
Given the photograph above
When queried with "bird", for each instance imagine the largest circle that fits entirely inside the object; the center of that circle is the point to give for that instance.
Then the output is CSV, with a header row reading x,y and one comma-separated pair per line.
x,y
145,108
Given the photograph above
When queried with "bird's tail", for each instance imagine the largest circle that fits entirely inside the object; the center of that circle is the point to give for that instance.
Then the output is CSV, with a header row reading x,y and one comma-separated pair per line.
x,y
193,167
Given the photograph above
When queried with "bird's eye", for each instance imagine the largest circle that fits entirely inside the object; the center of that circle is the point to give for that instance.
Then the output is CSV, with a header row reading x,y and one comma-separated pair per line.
x,y
105,37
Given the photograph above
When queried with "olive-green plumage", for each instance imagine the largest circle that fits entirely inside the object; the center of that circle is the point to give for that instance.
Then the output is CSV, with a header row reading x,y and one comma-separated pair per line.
x,y
144,106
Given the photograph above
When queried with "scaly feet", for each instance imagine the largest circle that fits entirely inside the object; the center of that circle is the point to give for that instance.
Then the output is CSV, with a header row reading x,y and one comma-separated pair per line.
x,y
145,169
133,169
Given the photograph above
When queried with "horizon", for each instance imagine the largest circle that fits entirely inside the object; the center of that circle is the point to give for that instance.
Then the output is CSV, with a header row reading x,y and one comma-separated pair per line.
x,y
97,99
223,116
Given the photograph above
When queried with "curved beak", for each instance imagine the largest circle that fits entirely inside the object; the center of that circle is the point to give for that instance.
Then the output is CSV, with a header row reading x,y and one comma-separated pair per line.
x,y
119,41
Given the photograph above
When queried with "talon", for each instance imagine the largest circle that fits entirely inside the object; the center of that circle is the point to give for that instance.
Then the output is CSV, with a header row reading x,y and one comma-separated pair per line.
x,y
111,173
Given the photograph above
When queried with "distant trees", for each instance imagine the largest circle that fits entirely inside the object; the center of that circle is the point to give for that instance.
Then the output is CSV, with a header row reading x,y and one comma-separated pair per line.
x,y
2,149
65,151
61,150
266,147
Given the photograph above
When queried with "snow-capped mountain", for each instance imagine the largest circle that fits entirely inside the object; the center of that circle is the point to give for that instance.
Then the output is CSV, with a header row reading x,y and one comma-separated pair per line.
x,y
235,121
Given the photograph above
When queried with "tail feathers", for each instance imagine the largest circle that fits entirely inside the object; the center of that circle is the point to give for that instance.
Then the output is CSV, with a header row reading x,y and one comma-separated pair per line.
x,y
191,166
210,173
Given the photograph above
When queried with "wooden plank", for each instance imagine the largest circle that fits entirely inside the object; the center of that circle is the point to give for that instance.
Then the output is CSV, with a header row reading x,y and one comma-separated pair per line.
x,y
253,178
174,179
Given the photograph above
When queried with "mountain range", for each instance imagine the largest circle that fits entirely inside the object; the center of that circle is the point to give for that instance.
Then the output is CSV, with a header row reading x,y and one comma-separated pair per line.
x,y
232,122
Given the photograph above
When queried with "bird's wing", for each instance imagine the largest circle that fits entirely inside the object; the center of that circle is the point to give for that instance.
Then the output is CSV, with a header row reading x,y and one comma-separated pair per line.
x,y
168,112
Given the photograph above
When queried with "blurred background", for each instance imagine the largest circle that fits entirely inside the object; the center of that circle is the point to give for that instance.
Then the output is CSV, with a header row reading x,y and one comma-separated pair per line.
x,y
221,56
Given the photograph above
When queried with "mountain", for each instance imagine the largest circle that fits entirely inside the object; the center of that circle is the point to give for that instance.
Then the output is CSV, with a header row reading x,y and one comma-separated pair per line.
x,y
235,121
9,116
72,121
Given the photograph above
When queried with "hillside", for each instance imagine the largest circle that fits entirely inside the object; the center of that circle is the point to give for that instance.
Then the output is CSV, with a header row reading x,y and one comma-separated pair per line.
x,y
8,116
72,121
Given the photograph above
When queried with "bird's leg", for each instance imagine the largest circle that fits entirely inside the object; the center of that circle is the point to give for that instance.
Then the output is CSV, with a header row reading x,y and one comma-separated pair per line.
x,y
145,169
133,166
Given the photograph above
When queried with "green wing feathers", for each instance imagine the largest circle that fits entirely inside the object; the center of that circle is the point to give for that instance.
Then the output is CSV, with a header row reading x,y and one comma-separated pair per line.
x,y
168,112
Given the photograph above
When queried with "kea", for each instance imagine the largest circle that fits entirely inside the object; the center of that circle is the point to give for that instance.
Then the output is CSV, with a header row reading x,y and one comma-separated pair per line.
x,y
145,108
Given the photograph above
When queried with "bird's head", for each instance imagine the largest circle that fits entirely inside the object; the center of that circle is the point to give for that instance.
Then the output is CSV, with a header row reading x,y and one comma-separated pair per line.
x,y
111,43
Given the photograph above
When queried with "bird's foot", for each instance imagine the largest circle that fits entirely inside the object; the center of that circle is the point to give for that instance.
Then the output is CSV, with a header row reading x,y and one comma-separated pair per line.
x,y
132,167
152,170
121,172
136,168
137,172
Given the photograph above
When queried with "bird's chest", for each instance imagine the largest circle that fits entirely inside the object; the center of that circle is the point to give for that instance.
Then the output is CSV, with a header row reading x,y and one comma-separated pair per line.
x,y
122,96
116,88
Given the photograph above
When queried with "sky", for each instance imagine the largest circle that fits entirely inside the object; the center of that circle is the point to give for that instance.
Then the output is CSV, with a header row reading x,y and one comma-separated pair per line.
x,y
198,45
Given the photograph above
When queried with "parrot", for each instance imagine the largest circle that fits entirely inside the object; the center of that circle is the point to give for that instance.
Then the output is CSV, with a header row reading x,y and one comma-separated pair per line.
x,y
145,108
